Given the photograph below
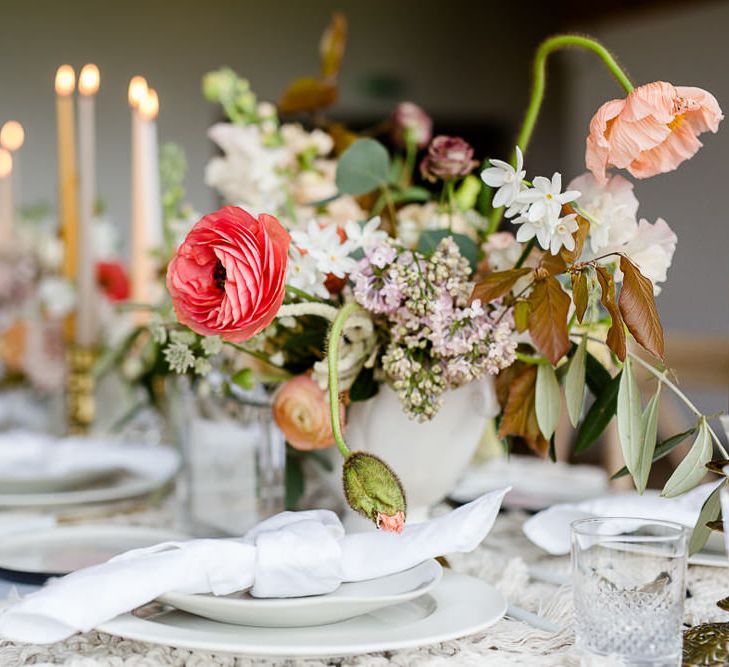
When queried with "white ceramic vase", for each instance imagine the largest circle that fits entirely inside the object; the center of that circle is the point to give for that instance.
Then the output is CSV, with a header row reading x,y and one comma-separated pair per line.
x,y
428,457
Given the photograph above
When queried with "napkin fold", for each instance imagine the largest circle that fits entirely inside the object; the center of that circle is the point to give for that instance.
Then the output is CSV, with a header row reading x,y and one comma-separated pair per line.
x,y
550,529
292,554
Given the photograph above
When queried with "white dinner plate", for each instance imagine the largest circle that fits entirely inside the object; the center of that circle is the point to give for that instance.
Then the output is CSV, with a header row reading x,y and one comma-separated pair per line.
x,y
349,600
152,468
535,483
35,555
458,606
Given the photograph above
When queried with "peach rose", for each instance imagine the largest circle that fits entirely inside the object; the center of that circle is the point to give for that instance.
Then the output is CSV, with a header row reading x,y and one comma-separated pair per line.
x,y
302,413
227,277
653,130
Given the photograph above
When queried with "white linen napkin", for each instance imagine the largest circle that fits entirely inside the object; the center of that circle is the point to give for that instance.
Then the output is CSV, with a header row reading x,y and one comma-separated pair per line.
x,y
550,529
292,554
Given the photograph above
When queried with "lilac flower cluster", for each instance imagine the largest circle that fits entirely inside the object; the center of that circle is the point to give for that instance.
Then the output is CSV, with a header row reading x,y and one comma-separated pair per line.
x,y
435,339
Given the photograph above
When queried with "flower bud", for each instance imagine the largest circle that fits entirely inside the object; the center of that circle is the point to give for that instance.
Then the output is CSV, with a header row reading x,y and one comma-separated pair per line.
x,y
374,490
447,158
411,124
219,84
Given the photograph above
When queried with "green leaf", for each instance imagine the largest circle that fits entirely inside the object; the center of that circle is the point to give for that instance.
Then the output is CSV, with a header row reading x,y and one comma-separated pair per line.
x,y
629,418
693,467
597,376
662,449
411,194
364,386
294,480
429,240
547,400
649,428
574,383
709,512
363,167
599,415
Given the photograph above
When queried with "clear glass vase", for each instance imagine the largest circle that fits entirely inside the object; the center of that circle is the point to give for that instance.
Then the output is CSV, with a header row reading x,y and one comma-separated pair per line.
x,y
234,457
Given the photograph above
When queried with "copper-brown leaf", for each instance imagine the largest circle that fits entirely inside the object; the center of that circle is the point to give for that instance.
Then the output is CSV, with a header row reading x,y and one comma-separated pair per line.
x,y
331,46
638,307
616,334
307,94
519,417
580,294
580,236
552,264
548,307
497,284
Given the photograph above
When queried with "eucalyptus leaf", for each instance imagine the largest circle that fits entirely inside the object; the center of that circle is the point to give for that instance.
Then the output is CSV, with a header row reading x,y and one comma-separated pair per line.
x,y
649,427
429,240
599,415
693,467
629,418
574,383
547,400
363,167
662,449
709,512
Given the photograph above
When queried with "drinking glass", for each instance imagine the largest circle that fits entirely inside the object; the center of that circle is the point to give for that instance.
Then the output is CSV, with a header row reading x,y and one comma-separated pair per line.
x,y
629,584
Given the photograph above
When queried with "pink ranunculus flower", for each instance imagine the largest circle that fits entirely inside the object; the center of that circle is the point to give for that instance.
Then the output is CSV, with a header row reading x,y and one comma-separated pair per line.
x,y
391,524
227,277
653,130
302,413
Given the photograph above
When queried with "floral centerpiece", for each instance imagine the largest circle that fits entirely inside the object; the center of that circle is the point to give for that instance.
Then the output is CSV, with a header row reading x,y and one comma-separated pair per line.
x,y
345,269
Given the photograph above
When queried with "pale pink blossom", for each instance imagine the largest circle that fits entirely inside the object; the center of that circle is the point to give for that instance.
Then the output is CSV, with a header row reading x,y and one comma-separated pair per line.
x,y
391,524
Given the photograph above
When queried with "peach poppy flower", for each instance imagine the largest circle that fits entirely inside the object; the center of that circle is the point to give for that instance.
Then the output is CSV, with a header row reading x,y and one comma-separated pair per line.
x,y
653,130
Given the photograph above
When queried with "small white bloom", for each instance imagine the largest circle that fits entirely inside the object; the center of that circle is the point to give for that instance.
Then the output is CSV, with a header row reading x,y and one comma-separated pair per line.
x,y
327,248
528,230
365,236
506,178
562,234
211,345
304,275
277,358
546,199
57,296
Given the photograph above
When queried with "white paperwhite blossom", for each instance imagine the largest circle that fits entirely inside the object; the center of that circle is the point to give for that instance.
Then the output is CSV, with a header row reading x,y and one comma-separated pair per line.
x,y
546,198
249,172
506,178
528,229
304,275
562,234
326,248
366,235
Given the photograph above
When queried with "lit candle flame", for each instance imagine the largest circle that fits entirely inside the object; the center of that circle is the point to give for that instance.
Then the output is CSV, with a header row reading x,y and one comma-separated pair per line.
x,y
149,108
65,80
137,91
12,135
88,80
6,163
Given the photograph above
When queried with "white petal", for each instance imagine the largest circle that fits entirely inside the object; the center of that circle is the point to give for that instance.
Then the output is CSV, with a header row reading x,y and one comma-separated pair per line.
x,y
501,197
556,182
493,177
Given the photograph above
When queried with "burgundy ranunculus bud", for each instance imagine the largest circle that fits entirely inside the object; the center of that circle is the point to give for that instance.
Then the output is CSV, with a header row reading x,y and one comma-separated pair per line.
x,y
409,120
447,158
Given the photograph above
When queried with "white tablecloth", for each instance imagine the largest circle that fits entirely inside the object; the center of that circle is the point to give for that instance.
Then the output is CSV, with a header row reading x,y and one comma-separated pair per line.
x,y
502,560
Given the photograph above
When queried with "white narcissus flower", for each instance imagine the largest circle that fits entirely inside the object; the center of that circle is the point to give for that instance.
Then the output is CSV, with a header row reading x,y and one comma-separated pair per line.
x,y
562,234
506,178
611,209
327,248
528,230
304,275
546,198
366,235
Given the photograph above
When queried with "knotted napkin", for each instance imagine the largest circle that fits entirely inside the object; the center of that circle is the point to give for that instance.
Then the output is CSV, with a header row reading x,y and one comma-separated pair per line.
x,y
550,529
292,554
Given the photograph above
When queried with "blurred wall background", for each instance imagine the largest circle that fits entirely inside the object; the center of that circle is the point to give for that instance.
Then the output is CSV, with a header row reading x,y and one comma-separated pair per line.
x,y
466,62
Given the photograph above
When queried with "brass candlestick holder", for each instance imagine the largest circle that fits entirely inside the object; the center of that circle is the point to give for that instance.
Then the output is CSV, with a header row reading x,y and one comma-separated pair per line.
x,y
80,389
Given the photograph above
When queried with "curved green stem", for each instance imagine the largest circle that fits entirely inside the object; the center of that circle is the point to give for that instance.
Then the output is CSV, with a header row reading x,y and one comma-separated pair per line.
x,y
547,47
335,333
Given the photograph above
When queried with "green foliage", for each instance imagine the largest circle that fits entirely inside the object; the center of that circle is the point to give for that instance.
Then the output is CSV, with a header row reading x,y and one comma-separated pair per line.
x,y
363,167
574,383
630,420
547,400
294,479
710,511
662,449
599,415
693,467
364,386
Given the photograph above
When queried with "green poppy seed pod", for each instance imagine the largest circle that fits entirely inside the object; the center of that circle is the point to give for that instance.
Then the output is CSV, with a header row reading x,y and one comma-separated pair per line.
x,y
373,490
